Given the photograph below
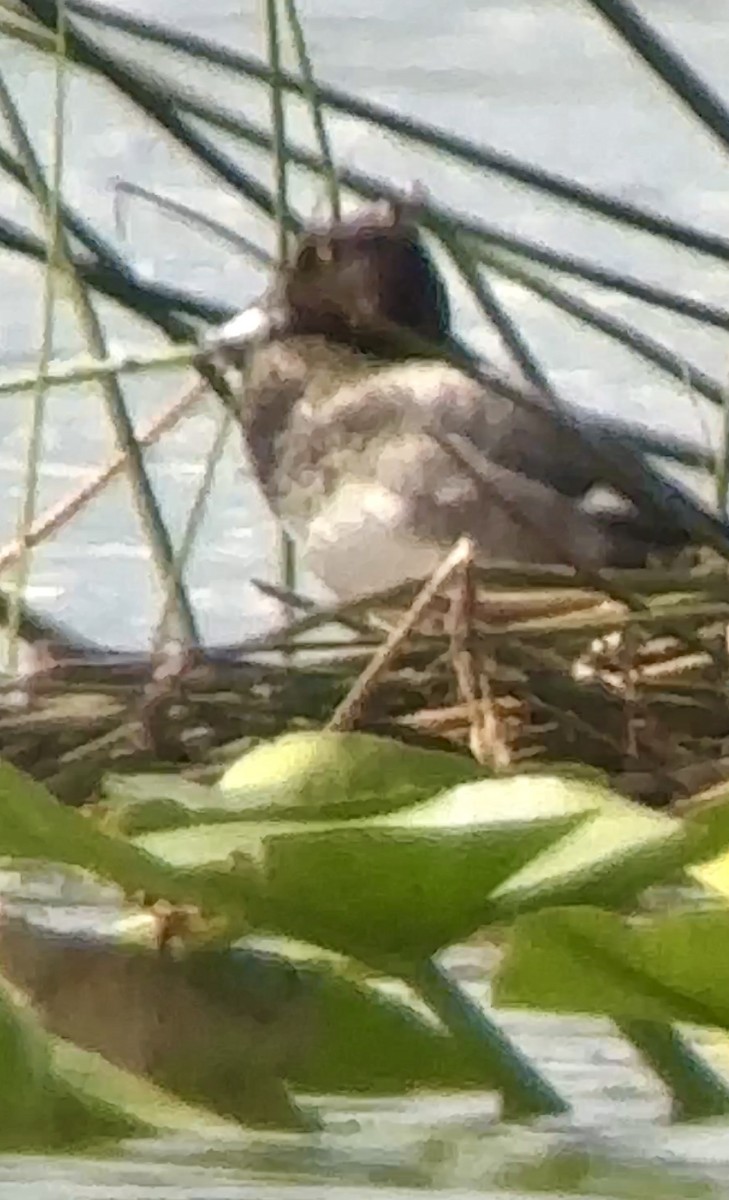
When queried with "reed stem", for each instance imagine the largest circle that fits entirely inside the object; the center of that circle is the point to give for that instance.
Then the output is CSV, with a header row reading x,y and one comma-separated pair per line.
x,y
60,514
670,66
86,368
195,517
511,337
524,1092
287,554
311,93
376,189
144,92
142,492
697,1091
413,130
617,330
53,263
192,218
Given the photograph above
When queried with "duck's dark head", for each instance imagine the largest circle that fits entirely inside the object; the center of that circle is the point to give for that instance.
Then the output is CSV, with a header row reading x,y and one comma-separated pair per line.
x,y
367,281
359,280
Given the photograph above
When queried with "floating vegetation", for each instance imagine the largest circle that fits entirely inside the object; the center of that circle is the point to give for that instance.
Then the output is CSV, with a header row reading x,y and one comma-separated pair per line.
x,y
293,820
541,670
623,672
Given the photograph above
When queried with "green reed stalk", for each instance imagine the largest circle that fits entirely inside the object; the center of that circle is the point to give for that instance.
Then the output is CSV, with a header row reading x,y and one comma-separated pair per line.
x,y
377,189
287,551
438,217
495,313
157,304
143,90
134,295
20,30
190,217
570,264
86,368
53,264
107,271
668,65
278,120
619,331
238,126
129,82
196,516
411,129
311,93
142,491
56,516
721,466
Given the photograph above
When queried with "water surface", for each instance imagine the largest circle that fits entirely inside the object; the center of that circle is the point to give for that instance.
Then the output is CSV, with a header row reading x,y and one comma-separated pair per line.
x,y
547,82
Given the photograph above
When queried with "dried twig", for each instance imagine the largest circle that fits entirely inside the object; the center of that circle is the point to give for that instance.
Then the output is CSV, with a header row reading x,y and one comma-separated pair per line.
x,y
349,710
486,739
60,514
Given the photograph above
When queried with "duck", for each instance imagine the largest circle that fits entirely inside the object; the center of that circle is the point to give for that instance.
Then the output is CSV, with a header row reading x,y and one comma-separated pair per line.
x,y
352,391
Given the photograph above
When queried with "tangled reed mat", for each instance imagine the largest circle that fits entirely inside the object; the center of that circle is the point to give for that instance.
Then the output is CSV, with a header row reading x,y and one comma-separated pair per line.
x,y
520,667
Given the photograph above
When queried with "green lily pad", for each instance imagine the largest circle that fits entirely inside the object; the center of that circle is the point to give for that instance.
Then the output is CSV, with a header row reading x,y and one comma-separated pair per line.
x,y
585,960
398,885
712,816
412,880
34,825
130,818
391,897
144,803
367,1036
175,1021
160,785
149,1105
620,849
647,976
324,774
222,846
313,775
709,813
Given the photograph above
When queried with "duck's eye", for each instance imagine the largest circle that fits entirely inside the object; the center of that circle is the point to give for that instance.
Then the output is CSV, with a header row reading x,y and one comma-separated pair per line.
x,y
311,256
307,259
